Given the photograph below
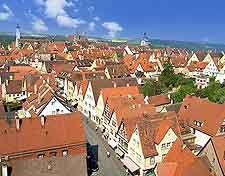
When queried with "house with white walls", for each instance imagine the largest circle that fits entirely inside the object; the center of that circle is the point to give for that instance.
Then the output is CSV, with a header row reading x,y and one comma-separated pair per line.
x,y
45,102
150,141
200,116
211,69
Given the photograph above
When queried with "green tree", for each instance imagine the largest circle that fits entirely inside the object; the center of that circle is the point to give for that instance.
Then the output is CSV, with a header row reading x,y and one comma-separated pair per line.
x,y
183,91
168,76
151,88
210,91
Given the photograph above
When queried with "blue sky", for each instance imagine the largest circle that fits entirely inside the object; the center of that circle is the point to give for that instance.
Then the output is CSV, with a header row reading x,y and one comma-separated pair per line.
x,y
187,20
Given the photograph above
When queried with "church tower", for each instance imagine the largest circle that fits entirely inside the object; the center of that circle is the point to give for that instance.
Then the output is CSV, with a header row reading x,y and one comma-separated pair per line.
x,y
17,35
145,40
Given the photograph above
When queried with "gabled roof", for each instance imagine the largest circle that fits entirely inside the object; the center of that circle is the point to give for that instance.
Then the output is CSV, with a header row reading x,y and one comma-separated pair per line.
x,y
211,115
153,128
97,85
180,161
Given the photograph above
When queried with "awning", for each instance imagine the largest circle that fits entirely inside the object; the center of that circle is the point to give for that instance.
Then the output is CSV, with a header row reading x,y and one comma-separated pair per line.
x,y
112,143
119,152
132,166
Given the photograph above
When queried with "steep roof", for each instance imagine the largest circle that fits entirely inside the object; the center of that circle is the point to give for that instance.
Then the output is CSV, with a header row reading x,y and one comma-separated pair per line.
x,y
180,161
153,127
58,131
219,146
210,114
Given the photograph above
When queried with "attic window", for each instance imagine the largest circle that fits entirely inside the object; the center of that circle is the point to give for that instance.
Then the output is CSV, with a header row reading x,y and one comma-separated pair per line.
x,y
198,123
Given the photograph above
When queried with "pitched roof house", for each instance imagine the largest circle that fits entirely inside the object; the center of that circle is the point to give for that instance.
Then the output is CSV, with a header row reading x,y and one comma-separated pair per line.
x,y
180,161
205,118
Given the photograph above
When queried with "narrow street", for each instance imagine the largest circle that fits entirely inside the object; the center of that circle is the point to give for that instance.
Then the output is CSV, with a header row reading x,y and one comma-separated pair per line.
x,y
107,166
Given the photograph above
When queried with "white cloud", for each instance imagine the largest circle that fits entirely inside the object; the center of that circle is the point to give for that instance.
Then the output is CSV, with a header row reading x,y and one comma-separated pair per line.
x,y
38,25
96,18
6,14
113,28
65,20
56,9
40,2
91,26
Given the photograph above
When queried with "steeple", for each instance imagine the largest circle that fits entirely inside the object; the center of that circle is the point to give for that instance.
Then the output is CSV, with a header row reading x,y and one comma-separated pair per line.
x,y
17,35
145,40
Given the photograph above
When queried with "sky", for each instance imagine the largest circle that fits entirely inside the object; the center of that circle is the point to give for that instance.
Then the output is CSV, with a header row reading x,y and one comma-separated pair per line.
x,y
184,20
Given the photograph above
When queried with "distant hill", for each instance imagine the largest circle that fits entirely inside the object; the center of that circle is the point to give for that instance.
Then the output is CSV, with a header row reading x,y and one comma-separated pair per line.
x,y
7,38
156,43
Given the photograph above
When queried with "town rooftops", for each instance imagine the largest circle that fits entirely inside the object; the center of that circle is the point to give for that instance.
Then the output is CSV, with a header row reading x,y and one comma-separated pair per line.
x,y
34,134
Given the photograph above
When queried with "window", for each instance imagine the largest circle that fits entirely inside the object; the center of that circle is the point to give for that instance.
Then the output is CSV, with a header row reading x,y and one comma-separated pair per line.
x,y
40,155
52,153
138,157
163,146
168,145
198,123
65,152
152,160
222,129
57,110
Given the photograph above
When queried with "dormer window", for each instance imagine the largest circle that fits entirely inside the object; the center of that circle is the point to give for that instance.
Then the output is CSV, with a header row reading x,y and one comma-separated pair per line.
x,y
185,107
198,123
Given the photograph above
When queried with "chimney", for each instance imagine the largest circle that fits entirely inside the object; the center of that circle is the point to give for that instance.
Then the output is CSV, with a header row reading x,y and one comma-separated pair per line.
x,y
48,80
35,88
4,169
129,95
43,119
114,84
7,82
18,123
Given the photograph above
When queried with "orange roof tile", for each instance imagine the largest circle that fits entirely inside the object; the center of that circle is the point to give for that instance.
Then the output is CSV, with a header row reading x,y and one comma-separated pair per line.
x,y
58,131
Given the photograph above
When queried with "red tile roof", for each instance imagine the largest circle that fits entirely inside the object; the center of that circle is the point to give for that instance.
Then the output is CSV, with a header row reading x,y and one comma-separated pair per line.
x,y
159,100
58,131
180,161
201,110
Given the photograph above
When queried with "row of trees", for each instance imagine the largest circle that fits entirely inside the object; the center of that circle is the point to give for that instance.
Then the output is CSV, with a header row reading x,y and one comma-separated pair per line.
x,y
168,80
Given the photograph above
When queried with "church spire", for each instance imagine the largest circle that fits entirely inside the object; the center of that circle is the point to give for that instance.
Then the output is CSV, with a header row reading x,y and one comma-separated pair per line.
x,y
17,35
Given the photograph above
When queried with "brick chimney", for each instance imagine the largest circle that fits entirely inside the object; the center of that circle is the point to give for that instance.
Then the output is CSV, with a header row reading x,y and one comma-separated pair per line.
x,y
114,84
18,123
4,169
35,88
43,120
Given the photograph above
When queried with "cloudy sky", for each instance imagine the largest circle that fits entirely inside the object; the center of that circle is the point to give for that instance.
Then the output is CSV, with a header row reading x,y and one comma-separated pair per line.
x,y
189,20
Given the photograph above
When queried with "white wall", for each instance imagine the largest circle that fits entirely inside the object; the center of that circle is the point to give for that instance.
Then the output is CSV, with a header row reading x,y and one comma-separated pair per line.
x,y
201,138
53,105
